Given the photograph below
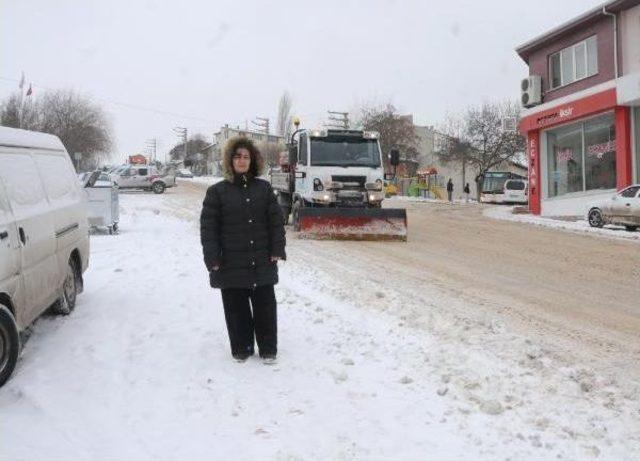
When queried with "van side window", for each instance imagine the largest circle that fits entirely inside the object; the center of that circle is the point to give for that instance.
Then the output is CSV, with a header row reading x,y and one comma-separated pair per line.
x,y
22,183
57,176
142,171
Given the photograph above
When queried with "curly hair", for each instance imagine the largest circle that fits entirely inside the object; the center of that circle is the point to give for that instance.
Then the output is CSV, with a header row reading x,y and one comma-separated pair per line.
x,y
239,142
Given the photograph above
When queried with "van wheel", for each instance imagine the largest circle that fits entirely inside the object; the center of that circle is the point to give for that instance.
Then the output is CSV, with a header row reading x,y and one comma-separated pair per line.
x,y
158,187
9,344
595,218
631,228
67,302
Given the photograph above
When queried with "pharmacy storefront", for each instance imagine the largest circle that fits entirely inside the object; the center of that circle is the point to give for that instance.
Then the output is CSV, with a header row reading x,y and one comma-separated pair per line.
x,y
581,150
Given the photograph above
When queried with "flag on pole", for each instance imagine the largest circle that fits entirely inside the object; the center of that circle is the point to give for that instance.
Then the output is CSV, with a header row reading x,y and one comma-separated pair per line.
x,y
21,84
30,90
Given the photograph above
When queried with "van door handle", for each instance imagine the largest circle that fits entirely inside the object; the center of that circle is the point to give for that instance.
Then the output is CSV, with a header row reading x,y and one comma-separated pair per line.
x,y
23,237
4,235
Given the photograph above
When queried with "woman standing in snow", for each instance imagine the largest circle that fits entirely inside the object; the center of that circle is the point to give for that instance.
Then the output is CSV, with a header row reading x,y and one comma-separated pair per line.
x,y
243,237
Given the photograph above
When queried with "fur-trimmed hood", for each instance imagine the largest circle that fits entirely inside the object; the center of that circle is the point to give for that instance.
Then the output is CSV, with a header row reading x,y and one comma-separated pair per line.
x,y
257,163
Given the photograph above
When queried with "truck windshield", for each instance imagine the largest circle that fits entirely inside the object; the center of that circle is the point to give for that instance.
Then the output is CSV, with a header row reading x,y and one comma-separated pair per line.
x,y
345,152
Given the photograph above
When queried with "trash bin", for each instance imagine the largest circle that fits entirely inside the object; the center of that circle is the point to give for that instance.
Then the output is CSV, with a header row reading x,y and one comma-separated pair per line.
x,y
103,204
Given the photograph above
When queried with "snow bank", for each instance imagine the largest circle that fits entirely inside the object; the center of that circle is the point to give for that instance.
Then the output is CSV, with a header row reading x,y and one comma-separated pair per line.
x,y
581,226
206,180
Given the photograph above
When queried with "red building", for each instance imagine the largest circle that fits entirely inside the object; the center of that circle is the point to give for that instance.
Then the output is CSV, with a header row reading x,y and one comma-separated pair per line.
x,y
582,121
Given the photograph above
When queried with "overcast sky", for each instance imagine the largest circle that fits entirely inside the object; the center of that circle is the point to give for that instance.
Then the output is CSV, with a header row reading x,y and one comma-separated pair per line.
x,y
154,65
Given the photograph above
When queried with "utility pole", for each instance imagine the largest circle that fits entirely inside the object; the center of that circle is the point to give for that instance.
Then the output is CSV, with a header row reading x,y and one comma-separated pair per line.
x,y
338,120
182,135
152,147
262,124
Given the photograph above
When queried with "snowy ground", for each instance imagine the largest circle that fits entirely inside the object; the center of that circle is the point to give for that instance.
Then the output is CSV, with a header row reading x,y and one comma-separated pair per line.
x,y
582,226
142,371
205,180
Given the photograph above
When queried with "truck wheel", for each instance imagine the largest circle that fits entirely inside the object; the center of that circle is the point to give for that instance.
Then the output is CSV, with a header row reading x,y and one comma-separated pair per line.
x,y
67,301
286,211
158,187
9,344
284,207
295,215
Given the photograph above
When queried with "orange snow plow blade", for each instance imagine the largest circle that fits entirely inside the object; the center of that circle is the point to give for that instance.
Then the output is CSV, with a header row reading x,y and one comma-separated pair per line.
x,y
353,224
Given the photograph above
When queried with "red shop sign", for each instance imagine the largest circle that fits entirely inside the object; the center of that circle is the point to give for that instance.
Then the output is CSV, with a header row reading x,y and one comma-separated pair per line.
x,y
588,105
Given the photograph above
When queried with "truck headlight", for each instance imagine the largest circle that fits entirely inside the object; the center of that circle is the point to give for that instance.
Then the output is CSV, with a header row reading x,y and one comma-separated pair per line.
x,y
374,185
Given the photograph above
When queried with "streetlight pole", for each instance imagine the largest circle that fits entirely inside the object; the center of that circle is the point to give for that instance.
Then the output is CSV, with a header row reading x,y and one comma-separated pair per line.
x,y
182,134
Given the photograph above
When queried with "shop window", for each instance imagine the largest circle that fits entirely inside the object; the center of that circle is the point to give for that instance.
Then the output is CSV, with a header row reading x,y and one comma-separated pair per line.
x,y
564,154
600,153
574,63
582,156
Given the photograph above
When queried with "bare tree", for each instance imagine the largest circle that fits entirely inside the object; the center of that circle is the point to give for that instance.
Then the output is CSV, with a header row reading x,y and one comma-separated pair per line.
x,y
81,125
479,138
284,115
396,131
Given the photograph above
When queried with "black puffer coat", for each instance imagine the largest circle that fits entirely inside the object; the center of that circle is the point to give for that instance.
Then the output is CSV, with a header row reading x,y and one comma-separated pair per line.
x,y
241,227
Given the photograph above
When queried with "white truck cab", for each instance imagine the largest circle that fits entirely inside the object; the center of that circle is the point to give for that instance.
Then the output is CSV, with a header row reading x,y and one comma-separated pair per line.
x,y
341,168
333,187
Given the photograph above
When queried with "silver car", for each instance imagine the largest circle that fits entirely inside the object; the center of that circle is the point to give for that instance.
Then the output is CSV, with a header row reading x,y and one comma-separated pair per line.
x,y
621,209
144,177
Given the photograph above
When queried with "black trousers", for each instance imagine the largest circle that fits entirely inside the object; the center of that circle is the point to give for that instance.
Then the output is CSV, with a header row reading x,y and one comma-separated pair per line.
x,y
243,324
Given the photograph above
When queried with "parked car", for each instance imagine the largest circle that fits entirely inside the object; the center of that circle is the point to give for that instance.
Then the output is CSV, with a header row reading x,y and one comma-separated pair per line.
x,y
104,179
184,173
44,236
144,177
622,209
516,191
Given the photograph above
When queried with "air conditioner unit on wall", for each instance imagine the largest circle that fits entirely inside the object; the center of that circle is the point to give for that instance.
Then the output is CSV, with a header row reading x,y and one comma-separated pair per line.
x,y
531,91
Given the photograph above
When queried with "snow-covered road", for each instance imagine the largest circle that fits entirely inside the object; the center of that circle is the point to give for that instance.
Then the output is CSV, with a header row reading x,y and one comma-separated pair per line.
x,y
141,370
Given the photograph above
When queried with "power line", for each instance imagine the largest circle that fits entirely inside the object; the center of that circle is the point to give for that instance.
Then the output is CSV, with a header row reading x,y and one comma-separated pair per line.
x,y
118,103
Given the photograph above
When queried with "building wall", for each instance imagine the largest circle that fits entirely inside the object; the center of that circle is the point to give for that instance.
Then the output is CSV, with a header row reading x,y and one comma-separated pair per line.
x,y
539,60
630,40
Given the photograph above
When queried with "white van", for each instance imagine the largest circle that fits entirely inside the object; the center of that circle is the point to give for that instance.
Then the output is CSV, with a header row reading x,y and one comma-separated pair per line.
x,y
44,235
516,191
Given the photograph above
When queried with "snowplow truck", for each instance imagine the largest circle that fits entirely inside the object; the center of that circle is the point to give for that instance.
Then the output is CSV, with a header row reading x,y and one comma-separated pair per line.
x,y
331,186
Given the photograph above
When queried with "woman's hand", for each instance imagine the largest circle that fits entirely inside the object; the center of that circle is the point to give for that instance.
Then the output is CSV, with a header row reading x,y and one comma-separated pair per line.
x,y
275,258
215,268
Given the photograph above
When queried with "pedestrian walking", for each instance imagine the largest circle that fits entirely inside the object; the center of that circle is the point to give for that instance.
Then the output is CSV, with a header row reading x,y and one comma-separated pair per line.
x,y
243,238
450,190
467,191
